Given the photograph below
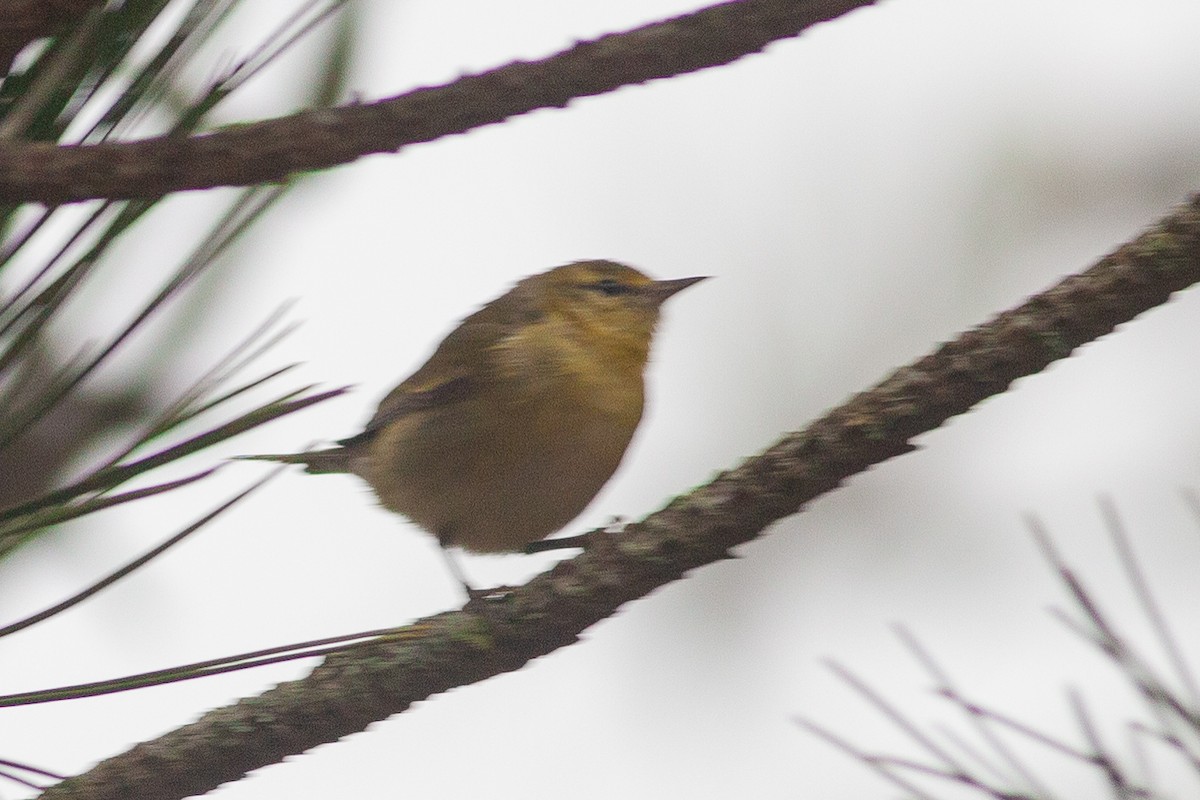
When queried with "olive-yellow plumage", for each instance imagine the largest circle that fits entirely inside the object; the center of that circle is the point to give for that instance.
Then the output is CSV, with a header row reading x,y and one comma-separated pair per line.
x,y
520,416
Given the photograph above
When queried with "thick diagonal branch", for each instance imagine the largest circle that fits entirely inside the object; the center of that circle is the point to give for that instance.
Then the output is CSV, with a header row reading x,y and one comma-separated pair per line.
x,y
371,682
274,149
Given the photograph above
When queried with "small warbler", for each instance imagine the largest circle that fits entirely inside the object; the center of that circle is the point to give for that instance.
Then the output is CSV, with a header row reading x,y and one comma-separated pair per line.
x,y
519,417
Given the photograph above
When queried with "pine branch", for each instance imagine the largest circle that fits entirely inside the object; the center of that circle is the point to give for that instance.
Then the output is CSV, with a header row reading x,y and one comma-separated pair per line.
x,y
52,409
275,149
372,681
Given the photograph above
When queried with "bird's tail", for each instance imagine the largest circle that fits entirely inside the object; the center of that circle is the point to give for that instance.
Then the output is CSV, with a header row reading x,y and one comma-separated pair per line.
x,y
335,459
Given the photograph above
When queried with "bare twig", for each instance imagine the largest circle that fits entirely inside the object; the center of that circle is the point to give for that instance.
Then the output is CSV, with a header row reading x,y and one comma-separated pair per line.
x,y
1154,614
980,721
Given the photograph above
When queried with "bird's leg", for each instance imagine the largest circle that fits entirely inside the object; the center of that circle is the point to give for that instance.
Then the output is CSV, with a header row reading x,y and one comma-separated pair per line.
x,y
473,594
457,571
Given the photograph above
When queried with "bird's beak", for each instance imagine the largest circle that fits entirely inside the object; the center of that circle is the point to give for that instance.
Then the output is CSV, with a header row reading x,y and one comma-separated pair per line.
x,y
659,291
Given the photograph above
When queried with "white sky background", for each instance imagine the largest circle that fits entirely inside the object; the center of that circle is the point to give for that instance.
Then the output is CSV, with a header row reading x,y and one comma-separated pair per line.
x,y
860,194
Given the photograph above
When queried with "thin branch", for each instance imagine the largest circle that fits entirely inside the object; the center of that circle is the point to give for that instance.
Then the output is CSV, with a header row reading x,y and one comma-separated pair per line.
x,y
1170,740
951,767
1159,698
110,477
880,765
142,560
12,532
206,668
17,765
1154,614
272,150
977,720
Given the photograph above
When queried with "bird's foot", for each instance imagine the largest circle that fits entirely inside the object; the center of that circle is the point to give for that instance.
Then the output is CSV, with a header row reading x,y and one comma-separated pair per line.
x,y
492,595
584,540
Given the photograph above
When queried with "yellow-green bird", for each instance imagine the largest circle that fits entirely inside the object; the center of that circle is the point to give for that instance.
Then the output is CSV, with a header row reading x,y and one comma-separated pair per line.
x,y
519,417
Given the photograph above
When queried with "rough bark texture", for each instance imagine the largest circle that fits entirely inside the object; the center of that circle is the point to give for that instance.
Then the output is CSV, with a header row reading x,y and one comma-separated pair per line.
x,y
272,150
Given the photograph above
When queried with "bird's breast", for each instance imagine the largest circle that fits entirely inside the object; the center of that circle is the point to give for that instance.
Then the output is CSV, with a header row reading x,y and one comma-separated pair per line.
x,y
515,462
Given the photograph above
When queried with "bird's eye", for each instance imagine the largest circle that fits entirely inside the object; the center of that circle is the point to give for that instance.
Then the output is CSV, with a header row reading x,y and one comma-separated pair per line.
x,y
611,287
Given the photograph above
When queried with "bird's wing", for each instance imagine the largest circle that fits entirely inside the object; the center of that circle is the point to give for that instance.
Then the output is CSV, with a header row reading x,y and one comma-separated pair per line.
x,y
406,399
462,362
